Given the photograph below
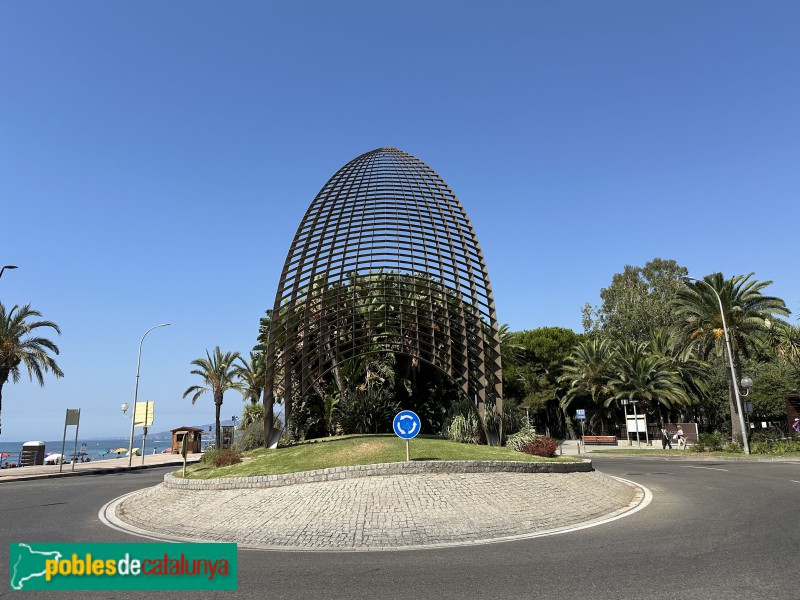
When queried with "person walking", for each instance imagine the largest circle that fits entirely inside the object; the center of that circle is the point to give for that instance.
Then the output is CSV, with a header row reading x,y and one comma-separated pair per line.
x,y
665,441
796,425
681,438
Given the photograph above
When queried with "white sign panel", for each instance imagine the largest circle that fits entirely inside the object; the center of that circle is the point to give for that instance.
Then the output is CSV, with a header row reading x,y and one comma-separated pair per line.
x,y
637,424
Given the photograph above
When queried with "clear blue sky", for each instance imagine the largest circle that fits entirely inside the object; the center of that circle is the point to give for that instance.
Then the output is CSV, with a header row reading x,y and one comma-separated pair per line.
x,y
156,158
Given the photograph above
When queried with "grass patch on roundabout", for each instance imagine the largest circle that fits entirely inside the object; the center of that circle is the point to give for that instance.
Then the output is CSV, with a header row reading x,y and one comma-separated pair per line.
x,y
357,450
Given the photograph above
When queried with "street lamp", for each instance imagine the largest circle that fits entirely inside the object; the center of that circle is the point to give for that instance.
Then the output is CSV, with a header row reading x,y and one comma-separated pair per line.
x,y
746,384
745,445
136,392
7,267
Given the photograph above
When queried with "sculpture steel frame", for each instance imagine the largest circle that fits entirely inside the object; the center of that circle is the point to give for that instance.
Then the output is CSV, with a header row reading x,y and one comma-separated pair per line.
x,y
385,247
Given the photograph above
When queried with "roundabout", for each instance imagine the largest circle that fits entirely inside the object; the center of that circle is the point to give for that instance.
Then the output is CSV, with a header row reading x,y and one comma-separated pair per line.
x,y
384,510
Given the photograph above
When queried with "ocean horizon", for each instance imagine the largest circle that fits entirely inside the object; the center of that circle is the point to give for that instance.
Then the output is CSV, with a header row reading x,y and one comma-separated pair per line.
x,y
96,449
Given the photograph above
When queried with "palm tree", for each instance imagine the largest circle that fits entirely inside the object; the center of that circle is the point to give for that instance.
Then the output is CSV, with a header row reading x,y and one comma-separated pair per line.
x,y
693,372
587,372
747,313
17,347
510,349
645,376
218,373
787,342
251,376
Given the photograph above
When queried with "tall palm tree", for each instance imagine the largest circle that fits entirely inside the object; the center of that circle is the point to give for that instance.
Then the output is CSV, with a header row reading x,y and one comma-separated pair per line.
x,y
693,372
19,347
747,312
219,375
251,375
587,372
510,349
647,377
787,342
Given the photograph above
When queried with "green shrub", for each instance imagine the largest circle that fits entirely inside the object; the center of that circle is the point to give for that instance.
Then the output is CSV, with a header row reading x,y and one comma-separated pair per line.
x,y
710,442
765,436
786,446
733,448
367,411
251,437
764,443
464,429
519,439
759,447
541,446
221,458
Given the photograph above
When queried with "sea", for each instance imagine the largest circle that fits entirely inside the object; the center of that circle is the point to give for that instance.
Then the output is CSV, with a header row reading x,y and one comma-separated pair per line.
x,y
95,449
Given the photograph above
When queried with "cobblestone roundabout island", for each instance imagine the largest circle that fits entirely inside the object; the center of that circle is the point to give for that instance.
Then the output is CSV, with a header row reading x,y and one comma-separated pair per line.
x,y
397,506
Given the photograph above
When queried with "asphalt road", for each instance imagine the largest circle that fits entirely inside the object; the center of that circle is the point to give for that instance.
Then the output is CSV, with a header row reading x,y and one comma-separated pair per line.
x,y
713,530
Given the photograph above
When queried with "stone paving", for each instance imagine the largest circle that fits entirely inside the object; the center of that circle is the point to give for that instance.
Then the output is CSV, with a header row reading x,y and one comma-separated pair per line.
x,y
384,512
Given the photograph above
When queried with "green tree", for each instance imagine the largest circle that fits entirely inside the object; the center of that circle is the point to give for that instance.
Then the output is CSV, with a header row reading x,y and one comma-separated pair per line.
x,y
787,343
587,372
20,346
645,376
771,382
218,373
748,315
251,376
637,303
532,378
693,372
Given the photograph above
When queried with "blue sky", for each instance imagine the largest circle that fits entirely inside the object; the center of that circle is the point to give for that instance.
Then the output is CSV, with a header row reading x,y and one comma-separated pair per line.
x,y
156,158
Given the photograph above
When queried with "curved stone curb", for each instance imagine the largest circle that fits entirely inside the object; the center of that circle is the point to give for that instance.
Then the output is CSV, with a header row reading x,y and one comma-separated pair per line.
x,y
400,468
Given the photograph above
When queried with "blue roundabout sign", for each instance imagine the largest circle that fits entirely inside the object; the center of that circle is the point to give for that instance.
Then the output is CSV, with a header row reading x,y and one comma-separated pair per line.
x,y
406,424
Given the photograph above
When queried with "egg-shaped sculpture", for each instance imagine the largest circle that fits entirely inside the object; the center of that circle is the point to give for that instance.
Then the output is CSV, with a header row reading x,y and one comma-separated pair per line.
x,y
384,260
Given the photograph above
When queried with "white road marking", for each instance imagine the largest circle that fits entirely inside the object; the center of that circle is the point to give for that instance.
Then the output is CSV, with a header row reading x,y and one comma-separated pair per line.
x,y
793,481
709,468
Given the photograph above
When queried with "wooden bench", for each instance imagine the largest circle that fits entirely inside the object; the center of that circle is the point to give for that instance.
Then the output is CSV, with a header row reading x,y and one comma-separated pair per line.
x,y
604,440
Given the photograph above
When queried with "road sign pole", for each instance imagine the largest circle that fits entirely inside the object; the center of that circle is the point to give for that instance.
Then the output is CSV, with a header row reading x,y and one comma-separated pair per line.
x,y
583,441
406,425
75,451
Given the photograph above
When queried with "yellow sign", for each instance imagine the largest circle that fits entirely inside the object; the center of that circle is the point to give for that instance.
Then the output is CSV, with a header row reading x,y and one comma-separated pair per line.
x,y
143,415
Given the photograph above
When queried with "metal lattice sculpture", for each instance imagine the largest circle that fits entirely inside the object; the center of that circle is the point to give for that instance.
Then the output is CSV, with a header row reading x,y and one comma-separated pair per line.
x,y
384,260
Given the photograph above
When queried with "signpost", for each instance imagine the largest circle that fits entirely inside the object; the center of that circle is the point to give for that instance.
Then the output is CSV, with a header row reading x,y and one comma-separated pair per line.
x,y
143,417
580,415
73,418
624,403
406,425
636,425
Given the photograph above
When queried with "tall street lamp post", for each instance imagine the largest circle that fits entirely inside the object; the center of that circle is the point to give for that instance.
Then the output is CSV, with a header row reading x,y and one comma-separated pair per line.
x,y
136,391
745,445
7,267
746,383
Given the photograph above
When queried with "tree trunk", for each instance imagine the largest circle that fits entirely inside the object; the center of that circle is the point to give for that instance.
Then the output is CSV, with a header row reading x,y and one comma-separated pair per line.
x,y
2,382
218,406
736,428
